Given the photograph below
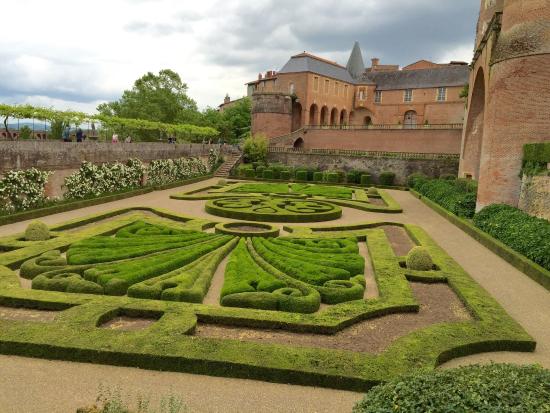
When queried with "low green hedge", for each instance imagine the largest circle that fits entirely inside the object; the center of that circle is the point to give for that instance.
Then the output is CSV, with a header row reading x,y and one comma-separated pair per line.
x,y
387,178
528,235
248,285
457,196
235,229
495,388
333,178
285,175
268,174
366,179
318,176
301,175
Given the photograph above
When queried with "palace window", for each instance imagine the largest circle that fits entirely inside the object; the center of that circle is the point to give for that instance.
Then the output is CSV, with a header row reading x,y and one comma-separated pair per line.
x,y
316,83
408,95
378,96
327,86
441,94
346,90
336,88
362,94
291,88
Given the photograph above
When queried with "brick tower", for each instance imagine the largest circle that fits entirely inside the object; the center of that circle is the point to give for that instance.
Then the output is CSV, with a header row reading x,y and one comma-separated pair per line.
x,y
271,114
509,101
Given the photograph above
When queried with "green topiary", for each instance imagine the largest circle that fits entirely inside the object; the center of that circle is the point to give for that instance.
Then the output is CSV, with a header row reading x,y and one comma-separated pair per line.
x,y
448,177
301,175
260,171
365,179
333,178
37,231
387,178
285,175
318,176
372,191
268,174
502,388
249,173
351,178
419,259
416,179
222,182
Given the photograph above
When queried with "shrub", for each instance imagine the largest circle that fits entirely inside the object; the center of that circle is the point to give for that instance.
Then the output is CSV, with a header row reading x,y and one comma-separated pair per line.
x,y
25,132
21,190
415,179
249,173
372,191
268,174
277,168
285,175
241,171
387,178
455,196
419,259
255,149
448,177
498,388
37,231
318,176
350,178
260,171
522,232
222,182
365,179
333,178
301,175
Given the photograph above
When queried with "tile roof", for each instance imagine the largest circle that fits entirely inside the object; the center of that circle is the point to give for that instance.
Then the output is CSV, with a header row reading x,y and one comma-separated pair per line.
x,y
452,75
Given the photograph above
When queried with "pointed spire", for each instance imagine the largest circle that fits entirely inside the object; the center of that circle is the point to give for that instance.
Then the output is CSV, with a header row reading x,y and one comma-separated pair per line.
x,y
356,65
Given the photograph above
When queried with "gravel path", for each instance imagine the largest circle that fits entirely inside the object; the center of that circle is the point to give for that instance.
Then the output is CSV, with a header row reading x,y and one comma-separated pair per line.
x,y
27,386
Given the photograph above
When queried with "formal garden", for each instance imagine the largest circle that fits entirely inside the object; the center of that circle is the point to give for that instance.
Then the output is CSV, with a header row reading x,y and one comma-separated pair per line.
x,y
261,293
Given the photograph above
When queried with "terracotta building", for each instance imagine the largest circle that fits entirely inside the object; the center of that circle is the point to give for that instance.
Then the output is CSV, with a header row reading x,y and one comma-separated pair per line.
x,y
312,91
509,101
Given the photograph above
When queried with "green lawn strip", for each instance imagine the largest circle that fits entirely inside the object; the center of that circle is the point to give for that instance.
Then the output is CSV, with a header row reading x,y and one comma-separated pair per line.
x,y
391,207
323,190
189,283
520,262
282,188
248,285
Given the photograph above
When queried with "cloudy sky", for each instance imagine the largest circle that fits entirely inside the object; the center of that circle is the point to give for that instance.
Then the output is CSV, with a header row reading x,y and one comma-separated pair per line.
x,y
78,53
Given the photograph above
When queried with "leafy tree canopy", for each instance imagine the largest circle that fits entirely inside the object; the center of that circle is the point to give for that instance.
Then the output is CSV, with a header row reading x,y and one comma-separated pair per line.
x,y
161,98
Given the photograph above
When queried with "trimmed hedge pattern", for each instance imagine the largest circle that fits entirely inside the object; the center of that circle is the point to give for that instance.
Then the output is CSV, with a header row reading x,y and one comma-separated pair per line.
x,y
457,196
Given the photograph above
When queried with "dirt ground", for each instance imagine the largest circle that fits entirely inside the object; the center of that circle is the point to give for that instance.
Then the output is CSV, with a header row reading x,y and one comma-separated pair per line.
x,y
438,304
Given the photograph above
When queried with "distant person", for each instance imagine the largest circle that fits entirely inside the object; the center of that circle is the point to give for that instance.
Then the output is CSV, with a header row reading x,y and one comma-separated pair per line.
x,y
128,139
93,129
114,139
79,134
67,134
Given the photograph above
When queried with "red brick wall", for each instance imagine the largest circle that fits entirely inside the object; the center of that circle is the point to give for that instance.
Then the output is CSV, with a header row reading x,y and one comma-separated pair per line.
x,y
417,141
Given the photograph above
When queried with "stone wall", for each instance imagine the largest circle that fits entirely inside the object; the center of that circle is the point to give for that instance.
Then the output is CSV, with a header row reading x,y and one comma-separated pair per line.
x,y
535,196
380,140
402,167
55,155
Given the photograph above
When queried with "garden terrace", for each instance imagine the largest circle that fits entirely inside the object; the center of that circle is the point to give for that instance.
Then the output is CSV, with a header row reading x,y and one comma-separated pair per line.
x,y
155,265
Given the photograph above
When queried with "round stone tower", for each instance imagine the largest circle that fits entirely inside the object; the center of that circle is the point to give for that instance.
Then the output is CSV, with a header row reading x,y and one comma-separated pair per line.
x,y
509,102
271,114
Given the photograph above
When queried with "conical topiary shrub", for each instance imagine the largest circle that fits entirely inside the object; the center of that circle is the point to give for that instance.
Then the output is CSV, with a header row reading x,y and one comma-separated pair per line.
x,y
419,259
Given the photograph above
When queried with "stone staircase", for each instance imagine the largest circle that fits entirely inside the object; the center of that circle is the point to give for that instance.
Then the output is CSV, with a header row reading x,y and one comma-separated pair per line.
x,y
231,160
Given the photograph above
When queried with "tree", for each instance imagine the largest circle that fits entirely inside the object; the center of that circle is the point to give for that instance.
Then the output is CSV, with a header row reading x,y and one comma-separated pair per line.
x,y
255,149
161,98
233,123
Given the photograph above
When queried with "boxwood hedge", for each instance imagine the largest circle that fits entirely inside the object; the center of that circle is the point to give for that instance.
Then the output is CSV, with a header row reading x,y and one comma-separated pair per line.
x,y
456,196
522,232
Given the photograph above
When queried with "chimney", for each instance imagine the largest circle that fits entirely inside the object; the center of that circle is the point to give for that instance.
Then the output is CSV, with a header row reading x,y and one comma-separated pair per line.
x,y
259,76
227,99
375,61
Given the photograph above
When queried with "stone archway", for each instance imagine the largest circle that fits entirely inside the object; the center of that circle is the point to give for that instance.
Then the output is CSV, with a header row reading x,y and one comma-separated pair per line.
x,y
334,117
344,117
367,121
296,116
324,116
409,120
313,115
473,136
298,143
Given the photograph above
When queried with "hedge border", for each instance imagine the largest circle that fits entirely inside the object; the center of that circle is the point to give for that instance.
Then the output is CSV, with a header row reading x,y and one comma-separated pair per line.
x,y
78,204
75,335
269,230
534,271
332,215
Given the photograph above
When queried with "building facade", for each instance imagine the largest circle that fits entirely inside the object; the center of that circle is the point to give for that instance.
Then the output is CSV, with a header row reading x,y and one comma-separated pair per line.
x,y
315,92
509,99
